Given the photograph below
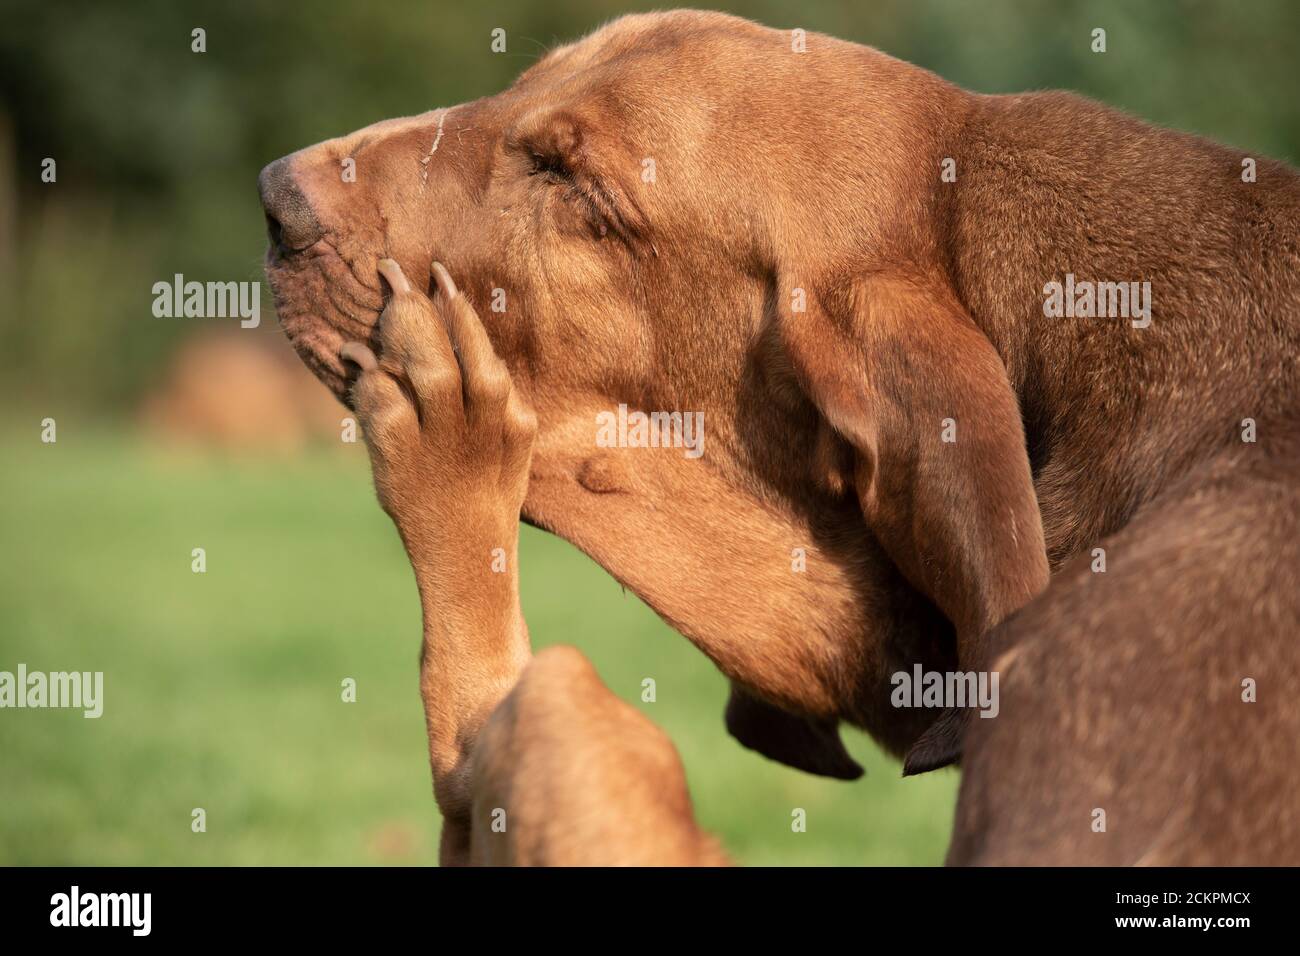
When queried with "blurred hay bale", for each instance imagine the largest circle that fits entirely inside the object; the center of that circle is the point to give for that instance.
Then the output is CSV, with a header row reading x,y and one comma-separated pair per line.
x,y
241,392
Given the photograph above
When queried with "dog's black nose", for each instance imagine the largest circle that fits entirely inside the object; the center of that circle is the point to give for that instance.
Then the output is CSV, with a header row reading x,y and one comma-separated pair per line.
x,y
290,221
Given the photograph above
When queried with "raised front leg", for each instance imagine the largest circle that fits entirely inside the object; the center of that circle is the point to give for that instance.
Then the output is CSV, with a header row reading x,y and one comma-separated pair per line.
x,y
450,442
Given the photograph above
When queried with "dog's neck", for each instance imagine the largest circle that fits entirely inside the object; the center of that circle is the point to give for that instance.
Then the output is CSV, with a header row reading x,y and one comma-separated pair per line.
x,y
1050,186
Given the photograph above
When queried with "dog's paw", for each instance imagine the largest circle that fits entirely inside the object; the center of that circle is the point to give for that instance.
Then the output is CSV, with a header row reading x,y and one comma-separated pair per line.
x,y
448,434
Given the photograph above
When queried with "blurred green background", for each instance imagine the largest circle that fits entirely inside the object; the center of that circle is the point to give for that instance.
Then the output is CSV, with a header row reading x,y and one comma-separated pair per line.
x,y
223,689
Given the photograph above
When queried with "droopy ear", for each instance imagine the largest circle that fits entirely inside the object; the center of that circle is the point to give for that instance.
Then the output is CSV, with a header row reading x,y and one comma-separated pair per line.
x,y
898,368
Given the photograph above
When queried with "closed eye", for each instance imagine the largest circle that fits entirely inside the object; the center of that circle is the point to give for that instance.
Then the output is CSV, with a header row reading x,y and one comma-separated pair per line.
x,y
582,191
551,166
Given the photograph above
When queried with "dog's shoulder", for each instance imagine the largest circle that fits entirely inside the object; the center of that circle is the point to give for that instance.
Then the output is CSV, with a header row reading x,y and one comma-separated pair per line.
x,y
1154,673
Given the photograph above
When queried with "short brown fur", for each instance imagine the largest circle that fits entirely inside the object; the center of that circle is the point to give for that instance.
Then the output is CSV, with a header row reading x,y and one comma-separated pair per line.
x,y
780,173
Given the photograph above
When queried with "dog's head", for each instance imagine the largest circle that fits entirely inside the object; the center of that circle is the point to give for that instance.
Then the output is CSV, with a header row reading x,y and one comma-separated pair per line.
x,y
688,213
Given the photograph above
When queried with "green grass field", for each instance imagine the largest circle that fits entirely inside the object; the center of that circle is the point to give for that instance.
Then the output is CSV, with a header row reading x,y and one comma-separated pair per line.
x,y
223,689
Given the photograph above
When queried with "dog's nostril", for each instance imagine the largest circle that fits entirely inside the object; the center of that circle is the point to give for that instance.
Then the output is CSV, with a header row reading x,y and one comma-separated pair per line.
x,y
274,231
291,221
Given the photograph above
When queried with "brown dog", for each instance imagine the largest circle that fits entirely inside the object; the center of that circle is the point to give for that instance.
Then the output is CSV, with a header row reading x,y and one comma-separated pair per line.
x,y
533,763
844,263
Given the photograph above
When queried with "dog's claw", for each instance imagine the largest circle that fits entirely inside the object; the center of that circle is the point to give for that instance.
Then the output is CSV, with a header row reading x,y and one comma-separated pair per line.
x,y
392,273
443,278
359,355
